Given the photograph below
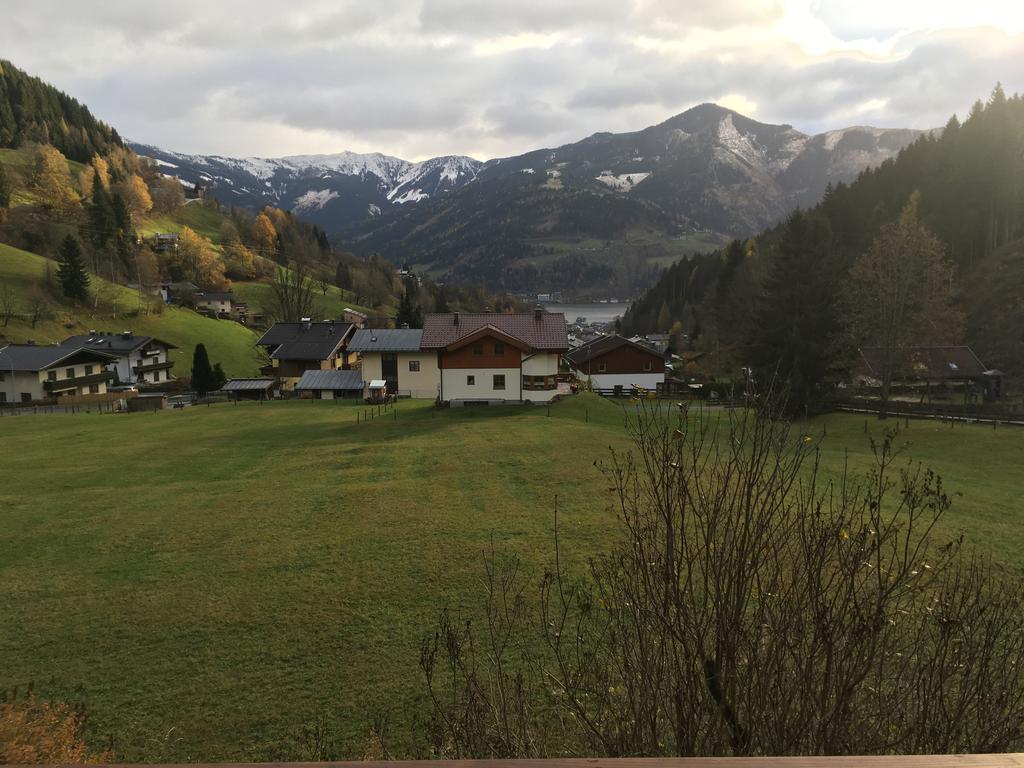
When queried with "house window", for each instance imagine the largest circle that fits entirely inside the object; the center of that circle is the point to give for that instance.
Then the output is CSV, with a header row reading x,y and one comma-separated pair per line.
x,y
499,381
601,367
647,366
499,348
69,373
94,389
88,370
470,381
51,375
414,366
26,397
478,350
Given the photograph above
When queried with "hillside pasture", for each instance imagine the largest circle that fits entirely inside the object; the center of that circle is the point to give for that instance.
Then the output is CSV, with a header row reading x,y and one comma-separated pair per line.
x,y
119,309
209,581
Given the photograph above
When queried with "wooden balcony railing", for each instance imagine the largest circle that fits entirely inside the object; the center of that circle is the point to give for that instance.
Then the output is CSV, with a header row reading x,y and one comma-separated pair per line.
x,y
1015,760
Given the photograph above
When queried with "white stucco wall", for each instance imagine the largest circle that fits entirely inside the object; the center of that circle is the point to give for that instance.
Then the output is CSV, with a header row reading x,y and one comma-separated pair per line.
x,y
625,380
421,384
454,386
541,364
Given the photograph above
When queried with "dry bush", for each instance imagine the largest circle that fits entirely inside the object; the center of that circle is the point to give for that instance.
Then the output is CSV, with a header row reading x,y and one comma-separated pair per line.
x,y
33,731
751,608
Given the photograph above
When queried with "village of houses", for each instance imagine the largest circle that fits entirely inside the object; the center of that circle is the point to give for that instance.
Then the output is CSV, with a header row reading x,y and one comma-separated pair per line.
x,y
456,359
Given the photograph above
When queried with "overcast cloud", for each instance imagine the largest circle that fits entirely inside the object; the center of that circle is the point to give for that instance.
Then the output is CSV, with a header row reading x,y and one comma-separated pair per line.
x,y
418,78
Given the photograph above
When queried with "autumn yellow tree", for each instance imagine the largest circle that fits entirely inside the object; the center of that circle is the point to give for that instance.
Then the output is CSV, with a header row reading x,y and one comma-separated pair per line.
x,y
196,260
900,293
51,180
101,168
239,261
265,236
136,197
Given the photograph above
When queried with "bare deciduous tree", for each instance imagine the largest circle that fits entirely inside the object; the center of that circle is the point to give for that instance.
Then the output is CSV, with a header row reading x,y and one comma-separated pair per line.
x,y
8,303
291,294
752,607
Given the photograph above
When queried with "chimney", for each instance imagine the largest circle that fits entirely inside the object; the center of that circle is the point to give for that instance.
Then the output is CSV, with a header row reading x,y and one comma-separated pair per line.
x,y
538,314
455,318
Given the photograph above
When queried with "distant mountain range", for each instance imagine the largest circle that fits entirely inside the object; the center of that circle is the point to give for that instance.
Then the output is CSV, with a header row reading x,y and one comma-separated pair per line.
x,y
707,170
333,191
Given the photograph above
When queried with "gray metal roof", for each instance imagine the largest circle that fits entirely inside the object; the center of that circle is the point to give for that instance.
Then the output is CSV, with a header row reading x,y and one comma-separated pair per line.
x,y
34,357
386,340
241,385
112,343
334,380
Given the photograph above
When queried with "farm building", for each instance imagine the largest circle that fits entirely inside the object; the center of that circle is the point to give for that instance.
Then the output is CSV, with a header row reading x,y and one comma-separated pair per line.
x,y
613,363
294,348
177,293
140,359
924,367
330,385
251,389
217,304
30,372
395,356
357,318
490,357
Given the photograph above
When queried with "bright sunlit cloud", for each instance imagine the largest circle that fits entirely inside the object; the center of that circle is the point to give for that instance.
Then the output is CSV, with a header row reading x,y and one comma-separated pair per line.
x,y
417,78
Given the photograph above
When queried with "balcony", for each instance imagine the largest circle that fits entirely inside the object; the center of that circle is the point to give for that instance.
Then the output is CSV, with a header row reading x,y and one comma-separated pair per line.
x,y
148,367
63,385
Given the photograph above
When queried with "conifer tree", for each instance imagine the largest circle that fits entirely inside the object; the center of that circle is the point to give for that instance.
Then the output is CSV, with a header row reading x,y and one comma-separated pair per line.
x,y
219,377
74,280
203,380
5,188
795,324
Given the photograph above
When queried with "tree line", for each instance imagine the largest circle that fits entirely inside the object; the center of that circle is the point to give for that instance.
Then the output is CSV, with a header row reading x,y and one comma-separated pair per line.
x,y
32,111
910,253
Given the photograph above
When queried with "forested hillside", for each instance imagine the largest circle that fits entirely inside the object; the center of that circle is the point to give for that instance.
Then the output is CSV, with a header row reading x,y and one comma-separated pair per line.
x,y
72,193
32,111
966,188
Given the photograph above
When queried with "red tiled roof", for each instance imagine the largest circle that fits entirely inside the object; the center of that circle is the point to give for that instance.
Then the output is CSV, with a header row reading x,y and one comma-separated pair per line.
x,y
548,332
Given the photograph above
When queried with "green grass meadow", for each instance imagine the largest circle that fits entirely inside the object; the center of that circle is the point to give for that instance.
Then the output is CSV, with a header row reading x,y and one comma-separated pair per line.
x,y
227,342
208,581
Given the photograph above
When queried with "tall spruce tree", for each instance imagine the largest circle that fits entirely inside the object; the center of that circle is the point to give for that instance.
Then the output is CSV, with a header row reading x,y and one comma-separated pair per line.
x,y
74,280
203,378
5,188
795,321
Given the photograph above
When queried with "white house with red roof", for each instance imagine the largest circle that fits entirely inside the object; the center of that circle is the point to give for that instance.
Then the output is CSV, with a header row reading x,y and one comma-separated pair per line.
x,y
462,358
493,358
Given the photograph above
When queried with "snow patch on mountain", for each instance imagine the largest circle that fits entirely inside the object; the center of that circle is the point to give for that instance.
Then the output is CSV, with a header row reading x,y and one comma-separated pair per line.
x,y
622,182
742,145
410,196
313,200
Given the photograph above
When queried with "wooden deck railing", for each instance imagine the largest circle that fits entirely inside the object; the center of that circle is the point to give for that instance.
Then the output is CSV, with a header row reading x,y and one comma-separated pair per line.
x,y
1015,760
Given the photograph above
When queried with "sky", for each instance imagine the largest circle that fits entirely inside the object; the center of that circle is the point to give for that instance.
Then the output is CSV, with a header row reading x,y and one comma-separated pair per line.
x,y
421,78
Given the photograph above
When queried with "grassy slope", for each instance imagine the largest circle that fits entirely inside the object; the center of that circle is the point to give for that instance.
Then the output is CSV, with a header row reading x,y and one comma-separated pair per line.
x,y
326,306
278,564
19,164
227,342
205,221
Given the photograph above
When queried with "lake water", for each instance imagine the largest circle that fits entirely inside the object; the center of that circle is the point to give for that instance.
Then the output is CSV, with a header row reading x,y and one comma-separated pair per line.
x,y
595,313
